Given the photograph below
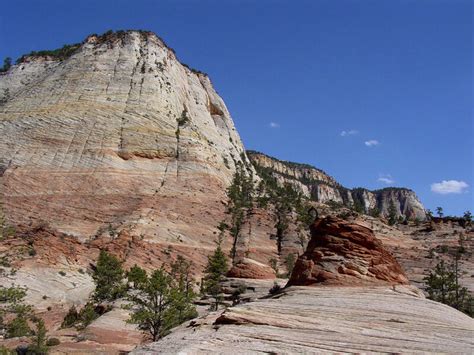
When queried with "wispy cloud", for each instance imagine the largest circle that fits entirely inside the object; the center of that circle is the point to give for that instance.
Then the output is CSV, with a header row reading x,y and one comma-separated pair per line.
x,y
351,132
449,187
386,179
274,125
371,143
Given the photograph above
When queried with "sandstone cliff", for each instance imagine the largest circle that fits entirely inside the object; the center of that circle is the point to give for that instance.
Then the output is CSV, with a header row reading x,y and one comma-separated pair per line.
x,y
119,135
319,186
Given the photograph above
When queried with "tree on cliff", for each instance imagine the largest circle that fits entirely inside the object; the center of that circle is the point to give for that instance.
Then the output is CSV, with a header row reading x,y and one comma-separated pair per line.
x,y
392,213
7,63
214,273
108,277
160,303
240,195
439,212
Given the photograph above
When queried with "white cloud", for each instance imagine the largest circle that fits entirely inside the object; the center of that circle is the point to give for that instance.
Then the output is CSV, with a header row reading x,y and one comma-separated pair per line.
x,y
372,143
351,132
449,187
386,179
274,125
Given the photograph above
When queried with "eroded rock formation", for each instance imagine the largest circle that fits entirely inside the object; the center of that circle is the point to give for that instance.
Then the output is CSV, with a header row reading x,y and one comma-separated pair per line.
x,y
343,253
319,186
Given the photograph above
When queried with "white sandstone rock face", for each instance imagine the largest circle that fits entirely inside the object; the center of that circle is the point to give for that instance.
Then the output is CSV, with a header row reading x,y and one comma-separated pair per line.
x,y
119,134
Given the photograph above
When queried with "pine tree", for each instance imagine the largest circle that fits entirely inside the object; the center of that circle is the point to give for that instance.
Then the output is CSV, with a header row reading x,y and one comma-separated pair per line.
x,y
240,195
136,275
214,273
392,213
439,212
39,344
159,304
108,276
11,302
442,285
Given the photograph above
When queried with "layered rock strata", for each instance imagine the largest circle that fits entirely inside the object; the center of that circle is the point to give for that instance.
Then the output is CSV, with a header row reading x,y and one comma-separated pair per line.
x,y
319,186
344,253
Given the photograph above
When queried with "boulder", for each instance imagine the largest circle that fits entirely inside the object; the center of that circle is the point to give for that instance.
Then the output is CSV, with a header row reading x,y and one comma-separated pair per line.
x,y
251,269
344,253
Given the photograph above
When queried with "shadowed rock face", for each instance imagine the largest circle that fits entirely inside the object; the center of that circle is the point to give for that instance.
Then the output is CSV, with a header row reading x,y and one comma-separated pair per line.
x,y
343,253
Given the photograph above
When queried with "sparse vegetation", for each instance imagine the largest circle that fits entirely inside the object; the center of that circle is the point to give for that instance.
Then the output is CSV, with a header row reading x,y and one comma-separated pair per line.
x,y
439,212
7,63
108,276
442,285
275,288
184,118
290,263
161,302
240,195
84,317
392,213
215,271
53,342
12,303
56,54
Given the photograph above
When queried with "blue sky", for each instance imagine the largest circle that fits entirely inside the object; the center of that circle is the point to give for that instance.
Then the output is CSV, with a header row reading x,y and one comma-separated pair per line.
x,y
395,76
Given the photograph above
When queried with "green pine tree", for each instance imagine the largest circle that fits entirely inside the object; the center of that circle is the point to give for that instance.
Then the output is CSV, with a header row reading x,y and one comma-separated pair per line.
x,y
108,277
214,273
442,285
160,304
39,343
136,275
392,213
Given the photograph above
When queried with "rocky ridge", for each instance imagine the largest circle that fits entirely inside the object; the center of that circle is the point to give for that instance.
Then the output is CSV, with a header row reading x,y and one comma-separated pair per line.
x,y
319,186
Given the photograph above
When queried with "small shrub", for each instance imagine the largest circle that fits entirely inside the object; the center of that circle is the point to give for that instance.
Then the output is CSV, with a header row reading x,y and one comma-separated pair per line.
x,y
275,289
183,119
62,273
52,342
87,315
18,327
71,318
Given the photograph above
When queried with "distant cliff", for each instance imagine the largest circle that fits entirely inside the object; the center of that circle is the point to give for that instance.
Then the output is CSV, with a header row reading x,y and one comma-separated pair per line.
x,y
319,186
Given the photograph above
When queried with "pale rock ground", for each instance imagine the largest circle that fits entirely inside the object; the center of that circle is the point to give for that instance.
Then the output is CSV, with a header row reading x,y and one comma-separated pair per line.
x,y
314,320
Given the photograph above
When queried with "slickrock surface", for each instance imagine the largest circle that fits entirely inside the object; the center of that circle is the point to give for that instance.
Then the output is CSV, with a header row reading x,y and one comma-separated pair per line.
x,y
314,320
343,253
321,187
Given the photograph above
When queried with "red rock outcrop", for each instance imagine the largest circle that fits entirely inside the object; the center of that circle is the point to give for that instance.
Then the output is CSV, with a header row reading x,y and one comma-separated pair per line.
x,y
251,269
344,253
